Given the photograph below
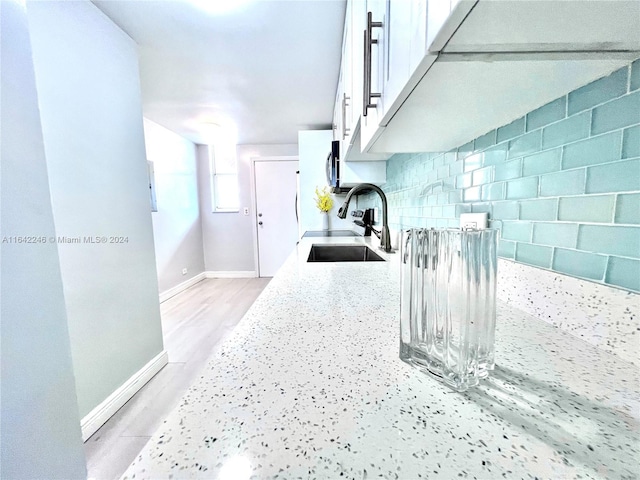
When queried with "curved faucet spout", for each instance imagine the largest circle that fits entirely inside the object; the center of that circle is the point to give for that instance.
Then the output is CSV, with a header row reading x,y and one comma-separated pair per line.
x,y
385,240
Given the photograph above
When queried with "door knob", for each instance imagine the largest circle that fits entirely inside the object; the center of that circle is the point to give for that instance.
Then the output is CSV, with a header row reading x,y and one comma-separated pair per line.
x,y
259,214
259,223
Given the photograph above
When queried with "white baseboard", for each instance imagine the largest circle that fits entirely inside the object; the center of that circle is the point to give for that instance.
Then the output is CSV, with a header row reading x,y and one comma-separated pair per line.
x,y
231,274
103,412
167,294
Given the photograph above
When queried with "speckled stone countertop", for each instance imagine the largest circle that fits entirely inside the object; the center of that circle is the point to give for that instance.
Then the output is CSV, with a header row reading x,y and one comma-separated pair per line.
x,y
310,385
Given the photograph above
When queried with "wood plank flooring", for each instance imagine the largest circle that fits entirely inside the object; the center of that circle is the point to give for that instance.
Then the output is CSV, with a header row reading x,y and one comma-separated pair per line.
x,y
193,323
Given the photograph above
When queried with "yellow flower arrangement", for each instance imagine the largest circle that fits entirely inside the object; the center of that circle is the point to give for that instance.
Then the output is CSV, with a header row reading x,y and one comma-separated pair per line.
x,y
323,199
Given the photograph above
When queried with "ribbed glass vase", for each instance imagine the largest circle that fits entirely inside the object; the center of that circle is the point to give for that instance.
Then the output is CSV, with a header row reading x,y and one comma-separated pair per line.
x,y
448,307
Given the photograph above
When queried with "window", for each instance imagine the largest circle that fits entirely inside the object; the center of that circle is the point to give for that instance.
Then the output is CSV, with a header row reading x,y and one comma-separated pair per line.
x,y
224,178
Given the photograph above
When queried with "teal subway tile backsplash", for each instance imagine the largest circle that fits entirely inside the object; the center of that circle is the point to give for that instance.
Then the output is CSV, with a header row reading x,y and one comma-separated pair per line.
x,y
456,168
450,157
534,255
525,144
614,177
573,128
618,113
522,188
512,130
456,196
561,183
482,176
555,234
472,162
592,209
595,150
628,208
462,208
485,141
543,162
449,211
580,264
481,208
506,249
631,142
549,113
624,272
571,182
465,180
520,231
614,240
448,184
493,191
506,210
472,194
466,148
635,75
539,209
508,170
599,91
494,155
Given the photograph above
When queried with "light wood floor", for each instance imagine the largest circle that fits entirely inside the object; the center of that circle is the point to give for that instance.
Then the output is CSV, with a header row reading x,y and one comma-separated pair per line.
x,y
193,322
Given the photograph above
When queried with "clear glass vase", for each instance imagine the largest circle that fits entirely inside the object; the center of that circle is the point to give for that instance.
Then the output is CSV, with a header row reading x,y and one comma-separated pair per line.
x,y
448,308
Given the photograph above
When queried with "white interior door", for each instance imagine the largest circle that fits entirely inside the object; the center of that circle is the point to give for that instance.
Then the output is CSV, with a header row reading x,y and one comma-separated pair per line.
x,y
277,224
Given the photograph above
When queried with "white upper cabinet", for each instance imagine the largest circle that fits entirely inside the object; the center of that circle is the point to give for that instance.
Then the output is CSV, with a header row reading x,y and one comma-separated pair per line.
x,y
548,26
352,82
401,33
443,18
457,101
337,120
375,44
345,90
442,72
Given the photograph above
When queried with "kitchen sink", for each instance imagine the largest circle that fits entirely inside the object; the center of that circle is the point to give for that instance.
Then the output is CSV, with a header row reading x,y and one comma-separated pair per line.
x,y
343,253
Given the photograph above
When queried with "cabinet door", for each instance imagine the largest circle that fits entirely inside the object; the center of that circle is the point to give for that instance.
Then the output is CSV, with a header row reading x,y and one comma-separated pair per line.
x,y
373,71
397,53
337,114
357,18
444,17
351,82
418,28
346,96
390,59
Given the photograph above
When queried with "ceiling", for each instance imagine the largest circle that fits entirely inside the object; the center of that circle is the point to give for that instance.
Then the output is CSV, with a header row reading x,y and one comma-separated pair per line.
x,y
267,69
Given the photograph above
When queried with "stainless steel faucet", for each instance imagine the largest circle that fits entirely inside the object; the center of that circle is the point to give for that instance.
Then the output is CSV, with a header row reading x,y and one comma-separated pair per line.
x,y
385,240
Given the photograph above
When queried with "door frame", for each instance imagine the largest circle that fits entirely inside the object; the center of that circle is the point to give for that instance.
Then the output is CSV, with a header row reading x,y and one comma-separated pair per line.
x,y
254,200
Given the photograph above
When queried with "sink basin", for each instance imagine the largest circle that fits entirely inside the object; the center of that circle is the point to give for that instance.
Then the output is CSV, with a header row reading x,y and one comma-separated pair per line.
x,y
343,253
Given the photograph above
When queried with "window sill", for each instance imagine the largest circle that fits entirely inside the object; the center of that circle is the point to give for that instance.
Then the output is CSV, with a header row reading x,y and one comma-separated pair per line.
x,y
226,210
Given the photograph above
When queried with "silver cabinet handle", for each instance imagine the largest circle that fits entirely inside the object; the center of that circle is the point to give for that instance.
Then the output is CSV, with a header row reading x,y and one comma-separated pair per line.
x,y
368,42
345,103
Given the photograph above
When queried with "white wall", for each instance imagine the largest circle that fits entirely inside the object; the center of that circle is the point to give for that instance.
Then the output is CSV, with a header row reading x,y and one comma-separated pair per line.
x,y
89,96
228,237
40,434
177,230
314,146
